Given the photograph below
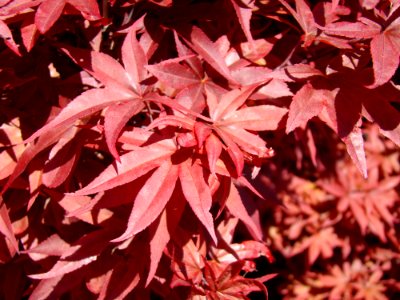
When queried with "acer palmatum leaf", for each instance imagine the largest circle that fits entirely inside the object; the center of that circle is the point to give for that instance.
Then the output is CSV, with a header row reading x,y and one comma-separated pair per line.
x,y
256,118
244,15
89,9
305,18
355,30
385,52
134,59
151,199
86,104
48,13
306,104
174,74
104,68
201,44
161,232
192,60
237,208
133,165
5,33
29,33
302,71
213,148
48,138
197,194
230,102
115,118
355,147
6,226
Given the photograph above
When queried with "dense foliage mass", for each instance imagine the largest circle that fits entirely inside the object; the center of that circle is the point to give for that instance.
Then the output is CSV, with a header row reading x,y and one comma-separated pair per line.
x,y
179,149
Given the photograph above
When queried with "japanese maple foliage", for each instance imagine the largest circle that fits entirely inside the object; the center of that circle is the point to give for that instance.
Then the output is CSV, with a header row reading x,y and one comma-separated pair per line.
x,y
164,148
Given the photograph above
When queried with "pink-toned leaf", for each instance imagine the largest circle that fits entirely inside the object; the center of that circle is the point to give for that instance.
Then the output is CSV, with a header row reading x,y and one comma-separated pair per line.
x,y
193,62
61,161
64,267
82,106
29,32
244,15
174,74
359,215
233,150
207,49
214,149
5,33
254,75
230,102
115,118
307,103
258,118
276,88
202,132
134,59
16,6
197,194
52,246
88,8
169,221
170,120
6,226
192,97
385,53
246,140
45,288
355,147
151,199
237,208
4,2
302,71
242,181
303,16
175,105
353,29
45,140
133,165
103,67
48,13
256,50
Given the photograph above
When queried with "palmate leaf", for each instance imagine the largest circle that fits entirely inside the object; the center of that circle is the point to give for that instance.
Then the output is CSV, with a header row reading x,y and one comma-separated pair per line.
x,y
385,52
332,106
5,33
257,118
174,74
115,118
48,138
134,58
198,194
201,44
6,226
82,106
48,13
133,165
384,46
50,10
237,208
151,199
304,18
162,231
244,15
307,103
